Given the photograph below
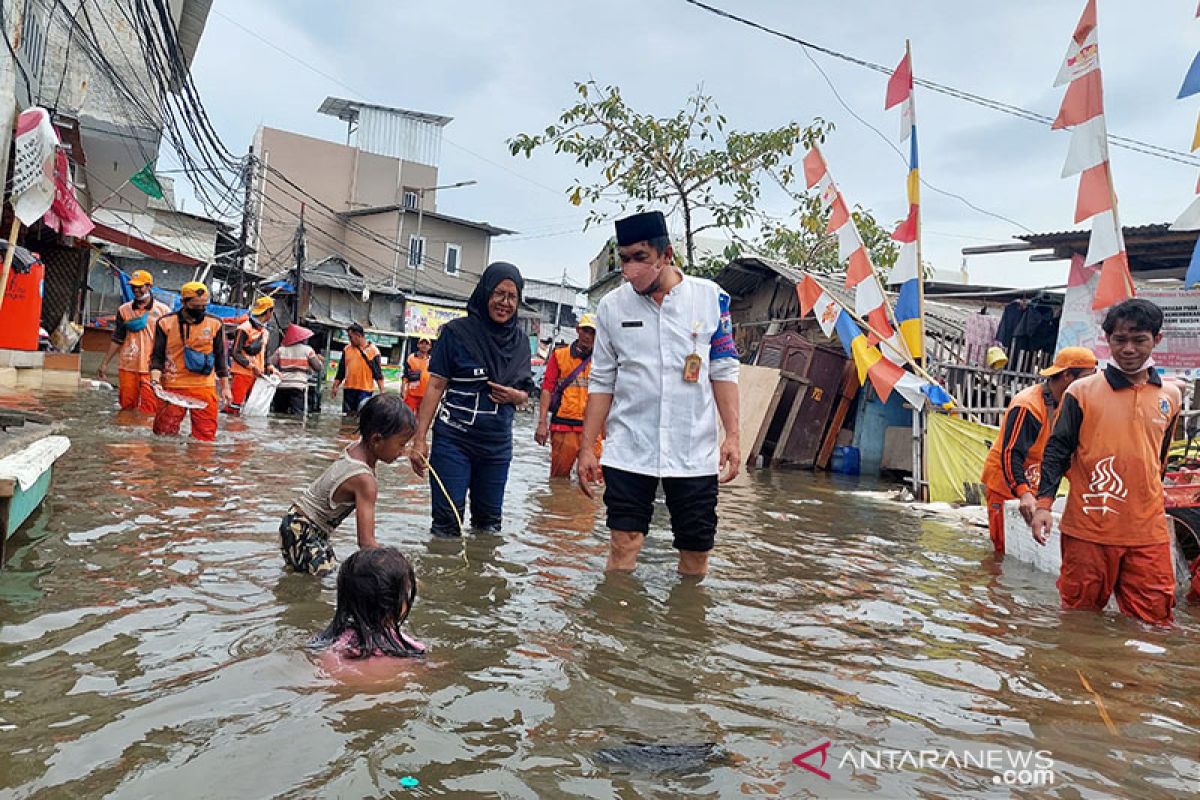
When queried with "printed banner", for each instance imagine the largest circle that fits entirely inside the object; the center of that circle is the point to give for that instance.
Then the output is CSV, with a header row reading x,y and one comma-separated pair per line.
x,y
33,188
1179,352
425,321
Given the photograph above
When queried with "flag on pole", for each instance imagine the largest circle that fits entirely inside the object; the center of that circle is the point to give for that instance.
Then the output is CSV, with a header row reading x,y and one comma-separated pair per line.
x,y
1189,220
1082,111
884,375
870,303
907,270
147,181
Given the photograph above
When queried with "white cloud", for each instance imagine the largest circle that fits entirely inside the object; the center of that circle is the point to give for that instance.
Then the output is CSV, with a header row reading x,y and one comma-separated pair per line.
x,y
503,68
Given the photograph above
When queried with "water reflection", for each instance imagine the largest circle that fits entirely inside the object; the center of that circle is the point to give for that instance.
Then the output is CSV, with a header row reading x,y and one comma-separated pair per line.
x,y
153,644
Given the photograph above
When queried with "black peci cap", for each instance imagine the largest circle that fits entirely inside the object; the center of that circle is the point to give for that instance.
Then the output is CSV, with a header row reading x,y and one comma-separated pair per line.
x,y
641,228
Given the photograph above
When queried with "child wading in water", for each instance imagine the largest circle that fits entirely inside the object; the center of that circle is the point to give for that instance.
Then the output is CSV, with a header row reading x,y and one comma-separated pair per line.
x,y
376,588
385,424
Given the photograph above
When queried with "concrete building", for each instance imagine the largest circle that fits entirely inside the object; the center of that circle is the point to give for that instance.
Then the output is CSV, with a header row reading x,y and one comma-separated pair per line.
x,y
372,195
559,306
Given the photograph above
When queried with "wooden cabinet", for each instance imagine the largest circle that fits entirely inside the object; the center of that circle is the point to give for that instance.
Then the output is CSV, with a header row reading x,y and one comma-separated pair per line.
x,y
800,420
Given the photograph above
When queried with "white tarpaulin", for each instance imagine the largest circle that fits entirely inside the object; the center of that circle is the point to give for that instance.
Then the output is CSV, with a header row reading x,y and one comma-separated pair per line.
x,y
33,165
28,464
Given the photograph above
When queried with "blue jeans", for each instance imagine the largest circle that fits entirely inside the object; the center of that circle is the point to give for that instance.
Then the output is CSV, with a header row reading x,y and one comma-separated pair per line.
x,y
480,468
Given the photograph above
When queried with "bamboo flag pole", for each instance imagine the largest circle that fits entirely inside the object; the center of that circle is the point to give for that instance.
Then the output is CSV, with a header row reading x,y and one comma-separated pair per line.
x,y
8,256
920,261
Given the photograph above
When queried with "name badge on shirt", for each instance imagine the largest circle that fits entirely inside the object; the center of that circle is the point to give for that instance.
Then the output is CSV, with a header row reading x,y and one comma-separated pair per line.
x,y
631,323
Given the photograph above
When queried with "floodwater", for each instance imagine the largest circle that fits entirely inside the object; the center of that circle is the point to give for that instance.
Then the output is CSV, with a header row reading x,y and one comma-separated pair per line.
x,y
152,645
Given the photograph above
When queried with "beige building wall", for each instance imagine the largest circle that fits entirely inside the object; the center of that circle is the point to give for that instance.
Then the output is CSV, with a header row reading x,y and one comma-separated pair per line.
x,y
347,179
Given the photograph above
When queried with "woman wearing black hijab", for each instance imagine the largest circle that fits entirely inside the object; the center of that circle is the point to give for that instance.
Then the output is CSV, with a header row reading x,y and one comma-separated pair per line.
x,y
478,374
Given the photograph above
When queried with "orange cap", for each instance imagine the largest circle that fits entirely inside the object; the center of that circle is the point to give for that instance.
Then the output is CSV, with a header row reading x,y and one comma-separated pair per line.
x,y
1070,358
141,278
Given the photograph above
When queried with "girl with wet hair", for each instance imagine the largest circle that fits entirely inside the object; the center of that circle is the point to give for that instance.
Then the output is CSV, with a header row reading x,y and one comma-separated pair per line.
x,y
376,588
385,425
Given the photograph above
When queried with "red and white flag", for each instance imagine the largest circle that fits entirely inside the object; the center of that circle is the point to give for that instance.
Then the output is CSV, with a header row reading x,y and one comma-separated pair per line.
x,y
1082,111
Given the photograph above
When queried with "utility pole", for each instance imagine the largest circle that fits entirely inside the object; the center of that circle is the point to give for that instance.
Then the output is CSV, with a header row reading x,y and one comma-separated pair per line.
x,y
562,287
244,236
298,249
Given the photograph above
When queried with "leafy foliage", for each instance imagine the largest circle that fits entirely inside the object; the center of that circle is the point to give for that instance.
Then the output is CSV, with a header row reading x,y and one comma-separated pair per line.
x,y
691,162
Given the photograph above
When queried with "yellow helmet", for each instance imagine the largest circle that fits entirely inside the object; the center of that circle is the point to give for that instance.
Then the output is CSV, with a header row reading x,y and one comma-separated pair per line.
x,y
587,321
193,289
261,306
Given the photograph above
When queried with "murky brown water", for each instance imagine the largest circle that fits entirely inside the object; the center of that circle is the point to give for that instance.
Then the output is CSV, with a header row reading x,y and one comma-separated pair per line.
x,y
151,644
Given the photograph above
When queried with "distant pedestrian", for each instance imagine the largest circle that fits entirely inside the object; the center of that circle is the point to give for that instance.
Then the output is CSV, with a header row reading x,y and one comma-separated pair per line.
x,y
249,352
360,369
564,397
295,362
416,374
1110,441
133,338
664,367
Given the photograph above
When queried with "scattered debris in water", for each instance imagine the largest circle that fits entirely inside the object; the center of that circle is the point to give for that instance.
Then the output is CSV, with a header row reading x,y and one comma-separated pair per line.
x,y
644,757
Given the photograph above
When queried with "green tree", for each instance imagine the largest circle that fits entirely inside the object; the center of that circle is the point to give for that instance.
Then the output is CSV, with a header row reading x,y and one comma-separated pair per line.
x,y
690,162
805,244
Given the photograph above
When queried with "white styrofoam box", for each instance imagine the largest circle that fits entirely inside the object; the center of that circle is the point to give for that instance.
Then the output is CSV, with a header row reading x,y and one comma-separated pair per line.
x,y
1019,543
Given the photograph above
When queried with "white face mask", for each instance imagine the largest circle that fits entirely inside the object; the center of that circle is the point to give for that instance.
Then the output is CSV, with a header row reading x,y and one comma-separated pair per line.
x,y
1147,364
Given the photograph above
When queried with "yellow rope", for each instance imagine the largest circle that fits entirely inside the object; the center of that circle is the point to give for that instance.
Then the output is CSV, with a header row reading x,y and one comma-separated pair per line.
x,y
442,486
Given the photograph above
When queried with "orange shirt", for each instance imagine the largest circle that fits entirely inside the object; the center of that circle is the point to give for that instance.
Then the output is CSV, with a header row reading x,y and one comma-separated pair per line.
x,y
417,363
357,364
134,355
1114,435
562,362
204,337
1014,463
249,335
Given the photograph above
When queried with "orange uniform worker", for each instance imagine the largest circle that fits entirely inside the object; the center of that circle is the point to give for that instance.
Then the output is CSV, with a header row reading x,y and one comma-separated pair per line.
x,y
1014,463
133,338
188,359
1111,440
416,375
360,369
249,352
564,397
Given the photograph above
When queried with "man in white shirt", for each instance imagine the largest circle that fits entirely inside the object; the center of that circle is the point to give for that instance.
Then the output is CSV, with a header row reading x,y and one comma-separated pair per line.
x,y
663,367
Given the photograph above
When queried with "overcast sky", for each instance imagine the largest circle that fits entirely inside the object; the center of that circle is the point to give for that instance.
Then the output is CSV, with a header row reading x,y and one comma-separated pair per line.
x,y
499,68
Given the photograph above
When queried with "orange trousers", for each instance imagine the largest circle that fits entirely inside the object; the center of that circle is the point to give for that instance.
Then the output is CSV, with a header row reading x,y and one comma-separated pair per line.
x,y
995,508
564,449
1141,577
133,391
204,420
413,401
240,388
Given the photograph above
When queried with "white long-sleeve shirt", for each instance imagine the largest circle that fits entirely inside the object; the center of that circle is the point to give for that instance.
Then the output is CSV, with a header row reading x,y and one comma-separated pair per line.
x,y
660,424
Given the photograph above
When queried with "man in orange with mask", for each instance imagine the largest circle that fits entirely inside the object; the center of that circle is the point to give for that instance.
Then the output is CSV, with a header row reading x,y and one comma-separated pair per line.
x,y
249,353
1111,442
416,375
188,360
1014,463
564,397
133,338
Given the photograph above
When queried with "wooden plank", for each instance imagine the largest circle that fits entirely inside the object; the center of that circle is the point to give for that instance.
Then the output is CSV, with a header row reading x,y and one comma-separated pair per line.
x,y
756,388
786,433
772,408
849,390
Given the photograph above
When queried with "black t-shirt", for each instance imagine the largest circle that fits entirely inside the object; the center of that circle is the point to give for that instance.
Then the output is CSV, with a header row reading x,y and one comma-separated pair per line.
x,y
466,408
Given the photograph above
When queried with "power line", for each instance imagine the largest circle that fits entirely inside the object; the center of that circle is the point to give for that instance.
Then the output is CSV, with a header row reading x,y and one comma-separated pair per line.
x,y
1125,142
365,96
